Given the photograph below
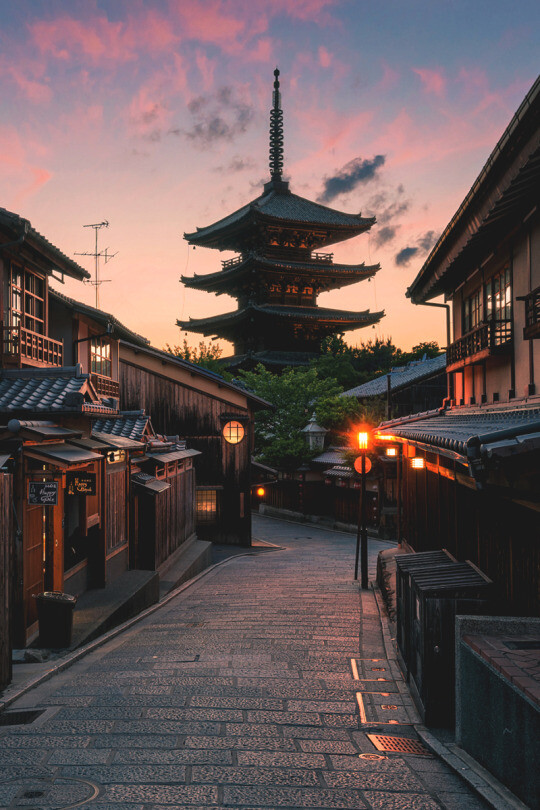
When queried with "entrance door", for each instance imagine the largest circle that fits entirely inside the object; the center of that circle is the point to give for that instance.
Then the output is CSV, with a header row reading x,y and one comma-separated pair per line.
x,y
43,551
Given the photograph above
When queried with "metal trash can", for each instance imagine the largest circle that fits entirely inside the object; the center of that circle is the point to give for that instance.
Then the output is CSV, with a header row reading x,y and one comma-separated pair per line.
x,y
437,597
405,565
55,617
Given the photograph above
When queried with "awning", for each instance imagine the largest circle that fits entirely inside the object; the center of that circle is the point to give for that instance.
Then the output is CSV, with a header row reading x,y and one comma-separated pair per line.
x,y
149,483
41,428
63,453
173,455
118,441
93,444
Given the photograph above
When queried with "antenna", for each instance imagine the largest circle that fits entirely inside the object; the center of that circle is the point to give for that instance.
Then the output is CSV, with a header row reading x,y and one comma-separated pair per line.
x,y
97,226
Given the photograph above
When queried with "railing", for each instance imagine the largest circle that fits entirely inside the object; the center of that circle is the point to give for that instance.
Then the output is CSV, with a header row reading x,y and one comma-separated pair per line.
x,y
105,386
32,348
232,262
532,314
486,336
322,257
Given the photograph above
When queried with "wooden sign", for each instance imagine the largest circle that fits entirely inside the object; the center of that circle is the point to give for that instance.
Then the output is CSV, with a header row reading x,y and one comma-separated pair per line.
x,y
80,483
358,465
43,493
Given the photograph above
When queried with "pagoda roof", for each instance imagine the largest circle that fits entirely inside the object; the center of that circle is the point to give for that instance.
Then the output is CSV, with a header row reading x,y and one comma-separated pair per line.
x,y
279,312
340,274
279,359
281,207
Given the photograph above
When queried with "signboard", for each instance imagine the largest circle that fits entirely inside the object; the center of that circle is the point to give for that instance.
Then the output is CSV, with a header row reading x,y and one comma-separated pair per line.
x,y
43,493
80,483
358,465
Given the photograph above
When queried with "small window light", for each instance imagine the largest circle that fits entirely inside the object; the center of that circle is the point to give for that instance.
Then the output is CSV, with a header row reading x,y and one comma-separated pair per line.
x,y
418,463
391,451
233,432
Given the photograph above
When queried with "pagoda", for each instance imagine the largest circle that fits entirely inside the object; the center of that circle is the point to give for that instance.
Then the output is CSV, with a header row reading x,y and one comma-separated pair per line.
x,y
277,276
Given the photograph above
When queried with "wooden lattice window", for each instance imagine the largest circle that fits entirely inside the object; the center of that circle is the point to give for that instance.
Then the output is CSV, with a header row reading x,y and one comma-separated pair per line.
x,y
206,505
100,357
27,300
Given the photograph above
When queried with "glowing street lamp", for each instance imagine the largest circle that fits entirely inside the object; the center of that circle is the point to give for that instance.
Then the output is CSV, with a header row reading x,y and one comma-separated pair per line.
x,y
361,535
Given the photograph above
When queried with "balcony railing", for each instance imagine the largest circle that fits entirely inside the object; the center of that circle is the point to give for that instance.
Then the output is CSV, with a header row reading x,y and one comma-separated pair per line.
x,y
227,263
323,257
532,314
484,338
30,348
105,386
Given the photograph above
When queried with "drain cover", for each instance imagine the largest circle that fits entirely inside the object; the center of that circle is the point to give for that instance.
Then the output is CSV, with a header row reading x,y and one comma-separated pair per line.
x,y
372,757
402,745
47,793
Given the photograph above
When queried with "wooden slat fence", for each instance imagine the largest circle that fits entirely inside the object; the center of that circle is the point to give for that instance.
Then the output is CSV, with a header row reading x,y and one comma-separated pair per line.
x,y
6,576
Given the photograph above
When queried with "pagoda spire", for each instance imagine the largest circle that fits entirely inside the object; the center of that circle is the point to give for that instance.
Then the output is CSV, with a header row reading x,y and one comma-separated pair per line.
x,y
276,132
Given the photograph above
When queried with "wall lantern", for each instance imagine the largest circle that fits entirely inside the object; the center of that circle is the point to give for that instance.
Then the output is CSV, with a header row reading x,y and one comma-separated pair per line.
x,y
260,492
233,432
392,452
418,463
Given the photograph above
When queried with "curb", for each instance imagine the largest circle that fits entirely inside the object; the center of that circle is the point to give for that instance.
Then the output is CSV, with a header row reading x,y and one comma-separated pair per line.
x,y
116,631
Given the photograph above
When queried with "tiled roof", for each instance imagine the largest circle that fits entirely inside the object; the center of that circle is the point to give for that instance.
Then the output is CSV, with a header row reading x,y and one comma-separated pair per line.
x,y
42,389
466,431
284,207
98,315
399,377
128,425
282,311
331,456
58,259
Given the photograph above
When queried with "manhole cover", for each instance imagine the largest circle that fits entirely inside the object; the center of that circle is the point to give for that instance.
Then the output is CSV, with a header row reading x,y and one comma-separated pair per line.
x,y
401,745
47,794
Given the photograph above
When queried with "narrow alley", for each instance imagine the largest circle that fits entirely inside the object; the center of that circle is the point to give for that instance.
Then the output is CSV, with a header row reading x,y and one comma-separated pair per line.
x,y
254,687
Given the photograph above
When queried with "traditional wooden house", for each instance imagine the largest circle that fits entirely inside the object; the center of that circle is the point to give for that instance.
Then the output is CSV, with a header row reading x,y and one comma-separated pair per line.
x,y
277,276
215,417
471,470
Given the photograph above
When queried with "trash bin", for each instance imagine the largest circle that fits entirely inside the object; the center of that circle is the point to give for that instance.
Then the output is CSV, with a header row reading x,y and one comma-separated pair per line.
x,y
55,617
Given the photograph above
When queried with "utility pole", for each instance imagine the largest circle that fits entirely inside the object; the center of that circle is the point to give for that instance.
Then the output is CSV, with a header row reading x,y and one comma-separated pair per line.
x,y
97,255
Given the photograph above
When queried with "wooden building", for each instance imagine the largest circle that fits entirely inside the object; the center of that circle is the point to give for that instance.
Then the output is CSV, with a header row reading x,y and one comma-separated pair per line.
x,y
215,417
277,276
470,477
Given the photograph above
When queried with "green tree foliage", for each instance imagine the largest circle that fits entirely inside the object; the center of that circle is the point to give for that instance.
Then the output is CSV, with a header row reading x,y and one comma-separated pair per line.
x,y
205,355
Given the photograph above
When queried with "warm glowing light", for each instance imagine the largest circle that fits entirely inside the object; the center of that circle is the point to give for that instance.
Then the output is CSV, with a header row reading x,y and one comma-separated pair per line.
x,y
385,437
260,491
418,463
233,432
363,439
391,451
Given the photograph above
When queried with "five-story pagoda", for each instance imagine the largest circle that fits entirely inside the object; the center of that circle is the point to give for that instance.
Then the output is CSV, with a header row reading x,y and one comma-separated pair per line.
x,y
277,275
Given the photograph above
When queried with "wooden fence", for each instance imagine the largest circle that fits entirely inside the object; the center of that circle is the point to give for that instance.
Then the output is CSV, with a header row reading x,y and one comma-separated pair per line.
x,y
317,498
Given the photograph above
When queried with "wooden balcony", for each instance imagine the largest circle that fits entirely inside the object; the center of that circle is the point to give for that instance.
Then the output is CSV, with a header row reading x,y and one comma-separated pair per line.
x,y
487,339
25,348
105,386
532,314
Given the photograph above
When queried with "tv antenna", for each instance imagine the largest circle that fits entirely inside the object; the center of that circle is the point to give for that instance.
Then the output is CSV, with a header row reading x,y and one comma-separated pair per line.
x,y
97,281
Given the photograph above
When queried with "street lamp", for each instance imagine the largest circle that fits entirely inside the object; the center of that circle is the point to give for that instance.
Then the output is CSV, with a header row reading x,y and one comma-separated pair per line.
x,y
361,535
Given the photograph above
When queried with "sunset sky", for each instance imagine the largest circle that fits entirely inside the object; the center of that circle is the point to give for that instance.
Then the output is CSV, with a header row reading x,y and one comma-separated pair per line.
x,y
154,116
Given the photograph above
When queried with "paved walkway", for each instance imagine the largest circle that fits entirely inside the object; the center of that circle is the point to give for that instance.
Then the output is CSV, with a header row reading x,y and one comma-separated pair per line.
x,y
240,692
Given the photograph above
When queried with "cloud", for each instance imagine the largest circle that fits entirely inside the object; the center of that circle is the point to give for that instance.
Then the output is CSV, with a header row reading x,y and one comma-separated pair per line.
x,y
424,243
325,57
404,256
384,235
220,116
433,80
354,173
237,164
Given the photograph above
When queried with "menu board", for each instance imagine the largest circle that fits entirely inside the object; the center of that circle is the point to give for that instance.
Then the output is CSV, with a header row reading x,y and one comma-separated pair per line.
x,y
43,493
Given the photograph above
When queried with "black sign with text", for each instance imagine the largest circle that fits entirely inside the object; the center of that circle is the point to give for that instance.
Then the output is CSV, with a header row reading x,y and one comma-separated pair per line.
x,y
43,493
80,483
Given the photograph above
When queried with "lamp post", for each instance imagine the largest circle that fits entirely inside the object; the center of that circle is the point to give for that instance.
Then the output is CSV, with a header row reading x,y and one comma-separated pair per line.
x,y
361,535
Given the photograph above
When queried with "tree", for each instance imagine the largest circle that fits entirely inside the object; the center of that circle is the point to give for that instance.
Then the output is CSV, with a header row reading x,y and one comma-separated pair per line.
x,y
205,355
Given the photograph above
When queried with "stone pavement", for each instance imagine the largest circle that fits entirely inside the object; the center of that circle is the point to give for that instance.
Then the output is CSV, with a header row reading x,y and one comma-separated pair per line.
x,y
255,687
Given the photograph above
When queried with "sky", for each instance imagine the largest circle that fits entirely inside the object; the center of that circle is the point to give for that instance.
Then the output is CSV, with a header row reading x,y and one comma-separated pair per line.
x,y
153,115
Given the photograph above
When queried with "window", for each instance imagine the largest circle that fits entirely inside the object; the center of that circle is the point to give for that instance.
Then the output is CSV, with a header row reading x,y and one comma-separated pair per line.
x,y
27,300
499,305
206,505
472,311
233,432
100,357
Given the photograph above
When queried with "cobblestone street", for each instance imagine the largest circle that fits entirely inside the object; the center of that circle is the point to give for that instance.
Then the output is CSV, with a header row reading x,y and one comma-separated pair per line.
x,y
255,687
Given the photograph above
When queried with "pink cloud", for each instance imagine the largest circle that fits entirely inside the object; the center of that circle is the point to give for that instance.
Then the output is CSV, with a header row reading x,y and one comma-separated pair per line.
x,y
325,58
389,78
433,80
18,175
206,69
